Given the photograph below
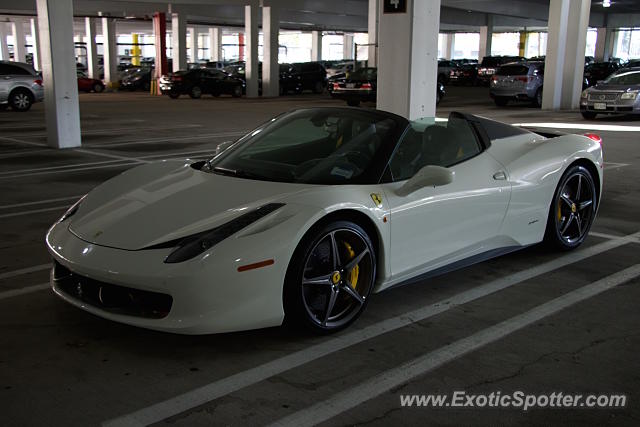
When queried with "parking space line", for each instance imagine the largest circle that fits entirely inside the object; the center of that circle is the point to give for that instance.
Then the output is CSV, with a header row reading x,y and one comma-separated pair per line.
x,y
603,235
612,165
117,129
61,167
113,156
22,271
387,380
39,202
101,166
22,291
19,141
176,139
9,154
207,393
29,212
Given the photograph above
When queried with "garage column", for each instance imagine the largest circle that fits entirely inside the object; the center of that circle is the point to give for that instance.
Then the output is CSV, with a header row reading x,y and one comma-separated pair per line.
x,y
486,35
408,58
601,43
160,41
568,22
110,52
178,41
4,49
270,67
62,113
92,53
35,37
19,51
215,44
449,40
316,45
251,49
373,33
193,41
347,46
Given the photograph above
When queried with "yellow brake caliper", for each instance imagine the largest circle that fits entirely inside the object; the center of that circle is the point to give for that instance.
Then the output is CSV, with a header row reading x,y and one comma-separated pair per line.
x,y
559,210
353,276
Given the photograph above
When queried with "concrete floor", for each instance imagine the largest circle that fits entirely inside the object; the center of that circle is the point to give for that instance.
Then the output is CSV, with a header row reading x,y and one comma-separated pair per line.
x,y
62,366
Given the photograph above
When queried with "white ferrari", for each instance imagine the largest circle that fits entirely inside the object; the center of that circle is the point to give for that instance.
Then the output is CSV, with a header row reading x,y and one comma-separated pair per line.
x,y
304,217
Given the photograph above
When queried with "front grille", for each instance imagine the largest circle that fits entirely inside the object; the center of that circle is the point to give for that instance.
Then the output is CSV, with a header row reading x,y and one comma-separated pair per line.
x,y
603,96
112,298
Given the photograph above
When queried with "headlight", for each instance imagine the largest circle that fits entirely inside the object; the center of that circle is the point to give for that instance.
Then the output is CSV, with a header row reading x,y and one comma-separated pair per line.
x,y
584,94
72,210
192,246
629,95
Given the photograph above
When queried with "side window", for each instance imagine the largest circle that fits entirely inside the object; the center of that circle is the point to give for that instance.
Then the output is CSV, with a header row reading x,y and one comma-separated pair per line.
x,y
7,69
437,144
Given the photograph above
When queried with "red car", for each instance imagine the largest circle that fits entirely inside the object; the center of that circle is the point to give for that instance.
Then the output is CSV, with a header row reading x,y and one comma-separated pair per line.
x,y
87,84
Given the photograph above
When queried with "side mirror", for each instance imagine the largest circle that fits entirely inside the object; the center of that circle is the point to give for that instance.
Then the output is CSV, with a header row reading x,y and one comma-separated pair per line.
x,y
428,176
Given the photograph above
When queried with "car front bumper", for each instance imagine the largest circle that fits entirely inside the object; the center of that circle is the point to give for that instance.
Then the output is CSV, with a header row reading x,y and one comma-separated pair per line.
x,y
610,107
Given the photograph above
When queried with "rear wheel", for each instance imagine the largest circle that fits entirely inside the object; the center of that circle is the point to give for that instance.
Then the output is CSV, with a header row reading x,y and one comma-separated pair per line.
x,y
237,91
195,92
500,101
537,100
330,278
318,87
20,100
588,115
573,209
98,87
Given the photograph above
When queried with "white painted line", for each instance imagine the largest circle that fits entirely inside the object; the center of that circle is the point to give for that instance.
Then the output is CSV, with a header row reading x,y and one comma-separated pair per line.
x,y
117,129
582,126
23,271
612,165
60,167
19,141
113,156
39,202
16,292
181,153
404,373
21,153
199,396
14,214
603,235
176,140
67,170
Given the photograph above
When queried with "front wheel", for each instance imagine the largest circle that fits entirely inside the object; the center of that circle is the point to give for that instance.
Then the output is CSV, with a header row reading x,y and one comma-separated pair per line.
x,y
318,87
195,92
98,87
330,277
237,91
537,100
573,209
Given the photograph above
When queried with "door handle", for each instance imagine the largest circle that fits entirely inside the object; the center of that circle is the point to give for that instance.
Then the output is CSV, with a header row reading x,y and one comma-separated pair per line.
x,y
500,175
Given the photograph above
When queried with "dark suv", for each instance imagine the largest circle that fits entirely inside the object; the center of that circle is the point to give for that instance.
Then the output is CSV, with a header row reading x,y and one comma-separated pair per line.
x,y
312,75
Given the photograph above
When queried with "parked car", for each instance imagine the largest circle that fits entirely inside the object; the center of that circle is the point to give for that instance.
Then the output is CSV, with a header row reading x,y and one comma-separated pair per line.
x,y
598,71
339,68
490,64
520,81
464,74
619,93
137,79
444,70
290,79
632,63
361,86
200,81
312,75
87,84
20,86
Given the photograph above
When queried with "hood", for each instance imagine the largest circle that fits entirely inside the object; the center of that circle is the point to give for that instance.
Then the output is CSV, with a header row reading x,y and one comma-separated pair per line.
x,y
612,87
163,201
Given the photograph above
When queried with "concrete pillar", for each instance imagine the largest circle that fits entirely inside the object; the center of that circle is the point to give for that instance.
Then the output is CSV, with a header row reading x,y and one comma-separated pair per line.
x,y
160,38
347,46
215,44
178,41
4,49
110,52
270,67
316,45
35,36
92,52
251,49
408,60
522,43
193,44
609,44
19,41
62,113
449,42
373,33
601,39
568,23
486,35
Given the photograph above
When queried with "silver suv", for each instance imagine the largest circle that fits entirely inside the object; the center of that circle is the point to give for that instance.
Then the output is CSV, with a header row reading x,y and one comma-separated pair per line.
x,y
518,81
20,85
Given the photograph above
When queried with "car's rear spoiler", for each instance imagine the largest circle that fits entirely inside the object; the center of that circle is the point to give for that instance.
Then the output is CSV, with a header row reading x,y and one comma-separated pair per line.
x,y
546,132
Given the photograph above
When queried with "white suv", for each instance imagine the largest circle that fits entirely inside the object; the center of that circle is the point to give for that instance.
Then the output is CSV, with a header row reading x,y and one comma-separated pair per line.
x,y
20,85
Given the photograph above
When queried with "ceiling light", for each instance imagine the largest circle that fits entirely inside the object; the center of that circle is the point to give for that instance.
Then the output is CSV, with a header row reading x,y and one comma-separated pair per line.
x,y
606,3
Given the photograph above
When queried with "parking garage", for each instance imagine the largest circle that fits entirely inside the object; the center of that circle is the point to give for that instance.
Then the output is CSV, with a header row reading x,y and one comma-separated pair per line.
x,y
556,329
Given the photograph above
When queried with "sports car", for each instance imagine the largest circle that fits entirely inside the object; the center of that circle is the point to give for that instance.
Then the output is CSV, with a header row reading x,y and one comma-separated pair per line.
x,y
302,219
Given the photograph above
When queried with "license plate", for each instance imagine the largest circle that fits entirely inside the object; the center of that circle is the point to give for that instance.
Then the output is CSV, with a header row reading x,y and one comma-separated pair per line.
x,y
600,106
350,85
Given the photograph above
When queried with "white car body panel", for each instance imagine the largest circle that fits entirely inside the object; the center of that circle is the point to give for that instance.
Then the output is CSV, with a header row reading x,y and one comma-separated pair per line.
x,y
107,239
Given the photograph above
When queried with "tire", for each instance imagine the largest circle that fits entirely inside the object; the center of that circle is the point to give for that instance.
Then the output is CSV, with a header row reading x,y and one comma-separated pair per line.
x,y
281,90
97,88
537,100
318,87
438,97
500,101
324,292
20,100
588,115
571,212
195,92
237,91
174,95
353,102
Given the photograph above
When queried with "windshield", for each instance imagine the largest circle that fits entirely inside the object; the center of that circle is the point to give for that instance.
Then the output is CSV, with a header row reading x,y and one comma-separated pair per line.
x,y
364,74
625,78
317,146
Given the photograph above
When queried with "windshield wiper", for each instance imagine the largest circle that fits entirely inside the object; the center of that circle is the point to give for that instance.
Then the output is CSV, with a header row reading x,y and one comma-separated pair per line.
x,y
236,172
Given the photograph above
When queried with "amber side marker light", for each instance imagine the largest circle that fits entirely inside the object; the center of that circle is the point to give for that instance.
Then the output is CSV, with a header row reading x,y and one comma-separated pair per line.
x,y
256,265
594,137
